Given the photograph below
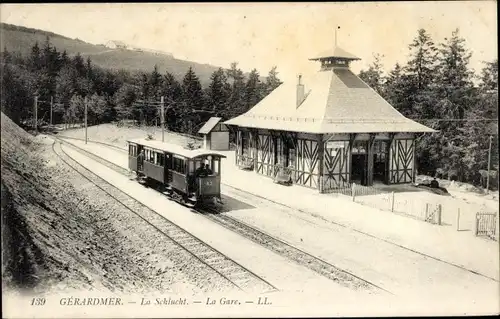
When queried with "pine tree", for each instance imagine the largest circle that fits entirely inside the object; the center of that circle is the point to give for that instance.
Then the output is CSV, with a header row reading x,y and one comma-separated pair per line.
x,y
396,90
124,99
35,62
272,81
421,72
237,96
374,76
172,92
252,90
192,101
456,95
477,133
155,84
218,93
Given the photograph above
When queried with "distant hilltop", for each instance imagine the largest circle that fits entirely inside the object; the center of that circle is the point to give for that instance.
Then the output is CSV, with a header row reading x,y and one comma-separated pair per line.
x,y
114,44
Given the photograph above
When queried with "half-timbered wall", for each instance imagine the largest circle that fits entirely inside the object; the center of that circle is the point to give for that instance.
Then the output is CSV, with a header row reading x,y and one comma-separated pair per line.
x,y
244,145
401,159
265,155
336,165
307,163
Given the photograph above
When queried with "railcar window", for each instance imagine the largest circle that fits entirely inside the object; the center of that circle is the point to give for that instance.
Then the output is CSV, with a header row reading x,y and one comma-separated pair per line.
x,y
216,166
179,165
197,164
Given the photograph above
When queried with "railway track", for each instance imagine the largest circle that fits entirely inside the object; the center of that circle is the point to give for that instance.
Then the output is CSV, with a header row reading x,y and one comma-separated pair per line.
x,y
270,242
289,251
236,274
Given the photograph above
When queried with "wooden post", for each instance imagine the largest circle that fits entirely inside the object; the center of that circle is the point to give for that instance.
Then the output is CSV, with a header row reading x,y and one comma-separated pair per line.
x,y
352,137
35,114
476,224
162,120
321,152
369,164
489,163
458,220
392,201
353,192
414,175
439,214
51,105
388,160
426,210
85,102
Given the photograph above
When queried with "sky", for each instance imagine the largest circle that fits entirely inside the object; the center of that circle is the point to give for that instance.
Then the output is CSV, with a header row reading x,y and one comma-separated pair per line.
x,y
263,35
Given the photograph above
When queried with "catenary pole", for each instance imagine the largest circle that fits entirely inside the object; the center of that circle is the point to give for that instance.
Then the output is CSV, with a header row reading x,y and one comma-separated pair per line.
x,y
35,114
489,163
85,102
162,119
51,105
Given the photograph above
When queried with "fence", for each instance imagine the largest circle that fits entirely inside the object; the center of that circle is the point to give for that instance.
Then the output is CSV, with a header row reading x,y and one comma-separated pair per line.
x,y
486,225
388,201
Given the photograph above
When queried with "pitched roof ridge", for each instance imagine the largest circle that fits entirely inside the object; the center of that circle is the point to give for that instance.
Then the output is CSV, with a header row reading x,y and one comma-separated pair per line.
x,y
380,96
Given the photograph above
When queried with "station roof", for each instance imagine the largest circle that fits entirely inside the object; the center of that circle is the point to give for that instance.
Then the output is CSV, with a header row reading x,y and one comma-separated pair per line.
x,y
336,53
209,125
175,148
336,101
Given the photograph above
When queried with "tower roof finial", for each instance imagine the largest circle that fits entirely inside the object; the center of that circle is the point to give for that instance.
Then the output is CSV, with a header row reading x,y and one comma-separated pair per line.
x,y
337,28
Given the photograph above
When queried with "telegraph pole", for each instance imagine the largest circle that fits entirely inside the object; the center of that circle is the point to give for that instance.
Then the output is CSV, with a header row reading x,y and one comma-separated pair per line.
x,y
162,119
85,102
489,163
51,104
35,113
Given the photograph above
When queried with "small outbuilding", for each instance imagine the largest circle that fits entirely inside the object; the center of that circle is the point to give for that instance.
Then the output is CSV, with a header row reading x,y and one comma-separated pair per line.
x,y
215,135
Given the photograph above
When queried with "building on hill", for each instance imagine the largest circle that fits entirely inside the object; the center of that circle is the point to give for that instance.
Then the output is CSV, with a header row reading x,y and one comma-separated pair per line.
x,y
112,44
331,130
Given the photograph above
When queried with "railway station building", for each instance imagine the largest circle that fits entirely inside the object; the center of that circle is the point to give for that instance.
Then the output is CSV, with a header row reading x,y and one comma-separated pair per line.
x,y
330,130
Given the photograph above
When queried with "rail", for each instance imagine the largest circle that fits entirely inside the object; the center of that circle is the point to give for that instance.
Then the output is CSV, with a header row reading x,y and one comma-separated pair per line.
x,y
289,251
284,249
280,204
238,275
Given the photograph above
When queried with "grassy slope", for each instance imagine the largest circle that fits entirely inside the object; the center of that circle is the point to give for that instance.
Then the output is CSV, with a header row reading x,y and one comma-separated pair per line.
x,y
21,39
53,237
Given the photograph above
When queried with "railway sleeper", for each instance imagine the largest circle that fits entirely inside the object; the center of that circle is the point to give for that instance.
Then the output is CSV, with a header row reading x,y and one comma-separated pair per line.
x,y
215,260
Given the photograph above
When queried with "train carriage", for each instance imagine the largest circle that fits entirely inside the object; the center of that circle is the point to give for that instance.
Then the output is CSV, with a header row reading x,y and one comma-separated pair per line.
x,y
177,171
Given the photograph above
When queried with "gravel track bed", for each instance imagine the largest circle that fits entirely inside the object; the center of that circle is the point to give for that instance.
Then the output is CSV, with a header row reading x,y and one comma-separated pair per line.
x,y
286,250
300,257
200,252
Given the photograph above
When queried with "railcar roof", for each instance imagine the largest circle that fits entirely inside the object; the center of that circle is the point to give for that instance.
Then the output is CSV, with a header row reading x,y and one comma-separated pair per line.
x,y
175,149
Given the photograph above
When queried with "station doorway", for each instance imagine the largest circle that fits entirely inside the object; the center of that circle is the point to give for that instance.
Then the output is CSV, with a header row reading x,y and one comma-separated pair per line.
x,y
359,162
380,161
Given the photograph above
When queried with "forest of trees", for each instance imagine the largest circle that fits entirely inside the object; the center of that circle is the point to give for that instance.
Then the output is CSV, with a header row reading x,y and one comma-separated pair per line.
x,y
114,95
435,87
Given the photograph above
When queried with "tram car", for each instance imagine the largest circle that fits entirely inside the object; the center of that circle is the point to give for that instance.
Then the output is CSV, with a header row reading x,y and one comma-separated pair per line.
x,y
189,176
